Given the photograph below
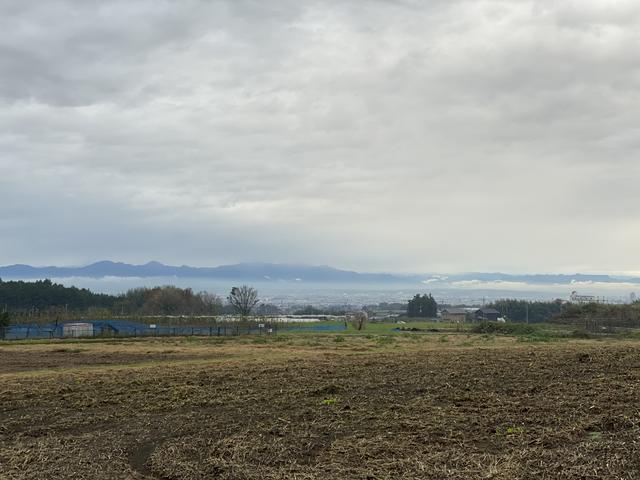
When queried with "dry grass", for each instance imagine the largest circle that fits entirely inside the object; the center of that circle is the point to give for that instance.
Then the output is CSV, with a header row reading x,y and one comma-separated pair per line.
x,y
470,407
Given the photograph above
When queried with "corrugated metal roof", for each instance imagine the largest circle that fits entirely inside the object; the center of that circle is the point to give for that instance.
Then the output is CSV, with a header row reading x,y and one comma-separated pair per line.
x,y
488,310
455,311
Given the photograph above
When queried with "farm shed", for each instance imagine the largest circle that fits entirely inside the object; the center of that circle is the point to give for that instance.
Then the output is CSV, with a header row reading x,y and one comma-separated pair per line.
x,y
490,314
454,315
77,330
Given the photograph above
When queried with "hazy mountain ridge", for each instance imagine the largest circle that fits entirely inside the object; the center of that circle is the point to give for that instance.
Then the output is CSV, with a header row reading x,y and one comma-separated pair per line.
x,y
287,273
241,271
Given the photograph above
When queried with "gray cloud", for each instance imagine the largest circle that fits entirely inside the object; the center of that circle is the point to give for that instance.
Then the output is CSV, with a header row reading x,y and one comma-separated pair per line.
x,y
423,136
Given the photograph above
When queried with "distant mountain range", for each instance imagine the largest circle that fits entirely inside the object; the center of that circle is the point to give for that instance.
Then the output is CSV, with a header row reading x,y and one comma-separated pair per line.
x,y
269,272
241,271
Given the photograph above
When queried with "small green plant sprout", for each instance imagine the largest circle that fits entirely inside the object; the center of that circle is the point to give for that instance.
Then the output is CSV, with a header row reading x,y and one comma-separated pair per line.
x,y
594,436
339,339
329,401
514,430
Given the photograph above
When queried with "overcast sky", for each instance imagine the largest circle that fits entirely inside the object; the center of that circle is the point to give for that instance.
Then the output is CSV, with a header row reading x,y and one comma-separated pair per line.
x,y
406,135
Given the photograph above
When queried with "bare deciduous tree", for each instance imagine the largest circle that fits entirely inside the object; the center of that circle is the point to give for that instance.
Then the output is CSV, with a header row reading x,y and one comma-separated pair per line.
x,y
211,302
243,299
359,320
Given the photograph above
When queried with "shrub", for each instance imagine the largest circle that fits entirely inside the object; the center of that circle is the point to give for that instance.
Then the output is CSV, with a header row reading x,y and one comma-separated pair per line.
x,y
5,319
580,333
385,340
505,328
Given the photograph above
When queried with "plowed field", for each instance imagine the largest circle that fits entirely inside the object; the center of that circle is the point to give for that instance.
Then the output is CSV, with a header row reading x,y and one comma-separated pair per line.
x,y
364,408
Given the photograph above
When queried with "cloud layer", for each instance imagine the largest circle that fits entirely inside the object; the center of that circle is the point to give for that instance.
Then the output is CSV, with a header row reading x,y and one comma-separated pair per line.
x,y
376,135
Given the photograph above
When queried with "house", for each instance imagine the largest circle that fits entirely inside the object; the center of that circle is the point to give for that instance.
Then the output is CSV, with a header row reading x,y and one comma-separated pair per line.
x,y
454,315
487,314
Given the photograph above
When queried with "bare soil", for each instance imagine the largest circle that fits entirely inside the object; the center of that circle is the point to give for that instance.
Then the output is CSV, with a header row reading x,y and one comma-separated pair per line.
x,y
362,409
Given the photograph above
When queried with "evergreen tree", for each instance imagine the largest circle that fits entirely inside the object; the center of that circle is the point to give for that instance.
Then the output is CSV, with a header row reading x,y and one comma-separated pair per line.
x,y
422,306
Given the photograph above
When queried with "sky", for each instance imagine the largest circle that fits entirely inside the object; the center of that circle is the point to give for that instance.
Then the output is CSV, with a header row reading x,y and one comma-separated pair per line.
x,y
400,136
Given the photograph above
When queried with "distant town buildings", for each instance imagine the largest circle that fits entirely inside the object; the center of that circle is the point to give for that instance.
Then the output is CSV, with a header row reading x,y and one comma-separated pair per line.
x,y
575,298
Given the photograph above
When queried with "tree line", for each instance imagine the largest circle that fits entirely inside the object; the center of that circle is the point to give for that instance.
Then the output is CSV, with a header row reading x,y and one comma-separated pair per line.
x,y
22,298
524,310
167,300
597,317
588,316
44,294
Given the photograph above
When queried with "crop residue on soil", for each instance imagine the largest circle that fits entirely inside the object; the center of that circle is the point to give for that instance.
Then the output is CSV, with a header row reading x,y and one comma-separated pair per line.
x,y
555,411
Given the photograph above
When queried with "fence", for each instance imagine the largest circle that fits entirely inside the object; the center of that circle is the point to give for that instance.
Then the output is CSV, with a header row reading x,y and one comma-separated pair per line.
x,y
124,328
105,329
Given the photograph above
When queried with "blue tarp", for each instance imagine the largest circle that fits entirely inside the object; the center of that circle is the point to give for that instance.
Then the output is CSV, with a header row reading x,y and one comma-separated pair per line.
x,y
127,328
